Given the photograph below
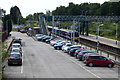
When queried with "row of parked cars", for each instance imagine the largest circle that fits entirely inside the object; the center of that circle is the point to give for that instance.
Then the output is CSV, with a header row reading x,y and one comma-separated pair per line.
x,y
88,57
15,52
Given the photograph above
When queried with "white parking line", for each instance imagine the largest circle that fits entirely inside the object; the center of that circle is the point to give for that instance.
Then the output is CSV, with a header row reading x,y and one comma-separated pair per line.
x,y
81,66
21,69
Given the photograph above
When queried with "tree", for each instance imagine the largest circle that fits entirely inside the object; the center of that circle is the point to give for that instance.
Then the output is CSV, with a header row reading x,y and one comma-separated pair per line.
x,y
15,14
7,23
105,9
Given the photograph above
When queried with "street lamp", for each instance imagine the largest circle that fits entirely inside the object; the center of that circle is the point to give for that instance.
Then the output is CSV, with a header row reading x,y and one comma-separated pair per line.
x,y
116,27
98,33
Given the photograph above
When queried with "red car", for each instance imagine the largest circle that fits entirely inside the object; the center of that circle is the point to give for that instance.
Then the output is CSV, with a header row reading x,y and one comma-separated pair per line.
x,y
98,60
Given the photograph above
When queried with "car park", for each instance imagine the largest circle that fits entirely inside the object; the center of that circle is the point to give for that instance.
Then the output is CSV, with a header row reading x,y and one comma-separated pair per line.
x,y
78,51
98,60
15,59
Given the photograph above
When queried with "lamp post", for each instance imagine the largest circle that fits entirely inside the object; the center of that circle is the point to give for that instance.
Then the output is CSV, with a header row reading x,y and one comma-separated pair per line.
x,y
98,33
116,34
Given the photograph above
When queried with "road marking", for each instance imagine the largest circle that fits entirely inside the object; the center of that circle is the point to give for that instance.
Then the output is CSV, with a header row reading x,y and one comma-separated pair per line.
x,y
21,69
81,66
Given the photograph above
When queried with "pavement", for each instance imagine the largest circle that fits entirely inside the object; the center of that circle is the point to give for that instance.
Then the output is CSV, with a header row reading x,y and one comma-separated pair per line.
x,y
40,60
103,40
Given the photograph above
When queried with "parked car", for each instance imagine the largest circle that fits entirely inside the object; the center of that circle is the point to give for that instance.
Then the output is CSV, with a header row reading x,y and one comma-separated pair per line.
x,y
53,42
72,51
81,54
38,35
39,38
78,51
48,40
98,60
67,45
74,46
45,38
15,59
59,45
16,50
16,45
17,40
23,31
87,54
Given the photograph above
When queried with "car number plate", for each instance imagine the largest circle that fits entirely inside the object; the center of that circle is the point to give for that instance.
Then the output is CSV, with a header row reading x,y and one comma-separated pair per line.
x,y
14,63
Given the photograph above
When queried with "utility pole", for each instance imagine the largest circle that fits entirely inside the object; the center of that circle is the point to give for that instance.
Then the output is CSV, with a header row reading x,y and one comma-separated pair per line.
x,y
52,25
116,33
98,33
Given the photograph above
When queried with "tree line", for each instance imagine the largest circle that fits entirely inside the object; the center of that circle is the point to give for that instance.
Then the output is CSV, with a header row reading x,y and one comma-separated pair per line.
x,y
92,9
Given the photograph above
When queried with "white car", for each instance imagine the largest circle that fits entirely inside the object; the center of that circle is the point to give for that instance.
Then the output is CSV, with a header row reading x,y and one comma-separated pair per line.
x,y
38,35
16,45
64,48
16,50
53,42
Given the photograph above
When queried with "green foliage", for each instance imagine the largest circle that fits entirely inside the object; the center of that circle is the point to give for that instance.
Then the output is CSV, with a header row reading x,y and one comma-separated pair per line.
x,y
7,23
107,30
106,9
3,51
34,17
16,15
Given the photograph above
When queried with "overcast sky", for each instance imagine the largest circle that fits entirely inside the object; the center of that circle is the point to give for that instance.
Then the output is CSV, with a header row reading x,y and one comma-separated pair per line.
x,y
32,6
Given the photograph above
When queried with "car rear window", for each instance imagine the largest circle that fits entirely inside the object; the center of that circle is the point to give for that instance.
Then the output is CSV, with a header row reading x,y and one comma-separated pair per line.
x,y
16,46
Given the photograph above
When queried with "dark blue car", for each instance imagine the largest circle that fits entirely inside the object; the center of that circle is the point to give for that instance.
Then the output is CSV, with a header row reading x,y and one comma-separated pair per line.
x,y
58,46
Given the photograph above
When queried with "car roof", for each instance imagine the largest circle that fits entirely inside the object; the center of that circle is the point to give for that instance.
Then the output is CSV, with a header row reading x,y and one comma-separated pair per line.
x,y
15,44
15,53
14,48
96,55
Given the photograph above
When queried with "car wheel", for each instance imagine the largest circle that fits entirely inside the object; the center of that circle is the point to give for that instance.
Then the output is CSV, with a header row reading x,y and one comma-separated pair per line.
x,y
76,57
80,59
90,64
20,64
8,64
110,65
58,48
